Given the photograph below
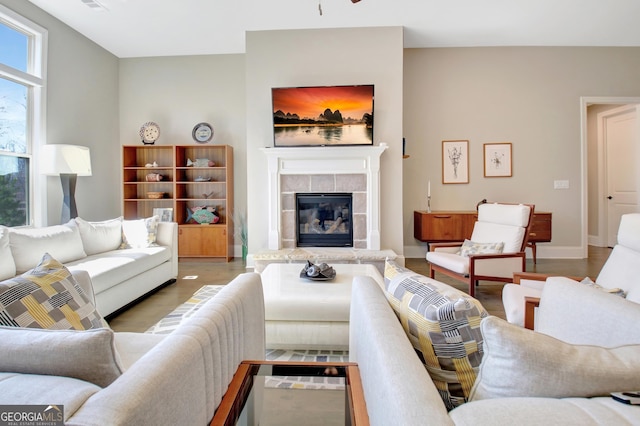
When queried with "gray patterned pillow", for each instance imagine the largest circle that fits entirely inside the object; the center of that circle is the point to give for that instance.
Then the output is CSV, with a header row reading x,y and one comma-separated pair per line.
x,y
469,248
443,325
49,297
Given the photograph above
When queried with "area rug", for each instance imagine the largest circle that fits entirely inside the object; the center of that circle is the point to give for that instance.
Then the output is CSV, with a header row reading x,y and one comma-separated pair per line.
x,y
169,323
200,297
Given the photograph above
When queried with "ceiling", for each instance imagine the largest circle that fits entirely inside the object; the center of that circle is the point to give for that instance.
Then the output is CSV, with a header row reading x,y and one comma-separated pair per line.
x,y
138,28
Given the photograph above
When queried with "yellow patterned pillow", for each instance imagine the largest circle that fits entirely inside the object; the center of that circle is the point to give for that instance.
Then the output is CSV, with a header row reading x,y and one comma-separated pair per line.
x,y
443,325
46,297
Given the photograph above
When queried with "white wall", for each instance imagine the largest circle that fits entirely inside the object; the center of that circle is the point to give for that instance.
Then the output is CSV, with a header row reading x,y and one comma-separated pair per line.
x,y
527,96
82,109
316,58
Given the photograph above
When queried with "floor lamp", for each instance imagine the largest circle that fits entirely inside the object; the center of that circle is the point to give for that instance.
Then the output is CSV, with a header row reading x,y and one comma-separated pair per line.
x,y
68,162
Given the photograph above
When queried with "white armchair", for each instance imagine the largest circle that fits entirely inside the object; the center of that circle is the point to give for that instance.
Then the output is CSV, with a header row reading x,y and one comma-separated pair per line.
x,y
481,258
619,272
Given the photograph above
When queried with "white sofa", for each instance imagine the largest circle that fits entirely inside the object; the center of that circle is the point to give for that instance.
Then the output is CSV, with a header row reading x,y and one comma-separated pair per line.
x,y
120,276
525,378
173,379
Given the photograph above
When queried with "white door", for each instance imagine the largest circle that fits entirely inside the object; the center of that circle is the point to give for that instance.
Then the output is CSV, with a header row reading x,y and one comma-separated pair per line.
x,y
620,132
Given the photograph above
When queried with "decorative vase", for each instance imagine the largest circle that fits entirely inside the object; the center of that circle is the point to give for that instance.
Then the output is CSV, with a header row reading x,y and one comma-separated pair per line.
x,y
245,249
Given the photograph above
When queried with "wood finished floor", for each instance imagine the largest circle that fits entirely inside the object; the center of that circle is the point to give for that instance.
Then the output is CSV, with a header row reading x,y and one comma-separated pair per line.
x,y
193,275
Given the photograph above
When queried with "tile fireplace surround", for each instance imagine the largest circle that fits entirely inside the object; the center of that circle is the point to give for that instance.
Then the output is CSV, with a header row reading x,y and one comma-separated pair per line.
x,y
324,170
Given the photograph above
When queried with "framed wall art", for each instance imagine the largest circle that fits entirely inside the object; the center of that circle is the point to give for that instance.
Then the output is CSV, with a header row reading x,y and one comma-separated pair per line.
x,y
455,161
497,159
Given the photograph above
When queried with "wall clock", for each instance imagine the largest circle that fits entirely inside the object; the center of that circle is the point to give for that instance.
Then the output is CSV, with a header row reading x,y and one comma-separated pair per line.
x,y
149,133
202,133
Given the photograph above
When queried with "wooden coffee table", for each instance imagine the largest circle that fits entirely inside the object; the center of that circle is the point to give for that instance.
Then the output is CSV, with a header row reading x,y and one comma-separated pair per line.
x,y
247,398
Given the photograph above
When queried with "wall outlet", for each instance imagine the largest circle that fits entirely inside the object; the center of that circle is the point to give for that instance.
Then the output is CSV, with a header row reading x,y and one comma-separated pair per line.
x,y
560,184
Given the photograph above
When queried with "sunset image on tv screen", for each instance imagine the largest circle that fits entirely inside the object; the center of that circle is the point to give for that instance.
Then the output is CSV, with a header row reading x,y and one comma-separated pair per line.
x,y
328,115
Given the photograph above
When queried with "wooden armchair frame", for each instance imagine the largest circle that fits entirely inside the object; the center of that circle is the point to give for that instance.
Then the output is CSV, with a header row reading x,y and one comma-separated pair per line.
x,y
472,279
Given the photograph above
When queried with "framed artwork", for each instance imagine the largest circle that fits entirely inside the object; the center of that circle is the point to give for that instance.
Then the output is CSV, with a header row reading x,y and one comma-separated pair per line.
x,y
455,161
497,159
166,215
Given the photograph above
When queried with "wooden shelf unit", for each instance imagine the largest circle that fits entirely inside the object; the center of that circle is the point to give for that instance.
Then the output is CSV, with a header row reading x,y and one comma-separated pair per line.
x,y
185,187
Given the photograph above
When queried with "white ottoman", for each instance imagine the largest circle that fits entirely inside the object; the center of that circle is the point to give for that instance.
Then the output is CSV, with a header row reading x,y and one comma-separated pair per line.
x,y
304,314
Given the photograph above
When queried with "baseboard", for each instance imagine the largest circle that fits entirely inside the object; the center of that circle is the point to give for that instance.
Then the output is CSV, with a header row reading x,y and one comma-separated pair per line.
x,y
138,300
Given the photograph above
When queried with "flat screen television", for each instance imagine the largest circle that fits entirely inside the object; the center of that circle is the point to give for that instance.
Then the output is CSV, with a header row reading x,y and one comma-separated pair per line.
x,y
323,115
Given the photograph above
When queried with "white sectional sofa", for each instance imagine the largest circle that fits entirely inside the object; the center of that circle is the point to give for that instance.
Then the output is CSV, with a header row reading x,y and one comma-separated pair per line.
x,y
126,259
525,377
135,378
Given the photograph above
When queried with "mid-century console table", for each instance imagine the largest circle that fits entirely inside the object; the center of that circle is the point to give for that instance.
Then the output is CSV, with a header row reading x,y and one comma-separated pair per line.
x,y
443,226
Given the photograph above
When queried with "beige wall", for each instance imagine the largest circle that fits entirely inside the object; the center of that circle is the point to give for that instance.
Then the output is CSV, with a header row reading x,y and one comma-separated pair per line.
x,y
179,92
325,57
527,96
82,109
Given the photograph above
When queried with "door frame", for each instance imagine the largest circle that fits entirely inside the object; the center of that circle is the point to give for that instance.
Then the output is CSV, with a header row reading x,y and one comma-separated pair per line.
x,y
585,101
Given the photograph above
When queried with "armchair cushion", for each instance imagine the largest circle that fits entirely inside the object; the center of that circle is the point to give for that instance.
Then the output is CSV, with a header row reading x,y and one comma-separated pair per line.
x,y
523,363
620,271
469,247
579,314
442,324
510,236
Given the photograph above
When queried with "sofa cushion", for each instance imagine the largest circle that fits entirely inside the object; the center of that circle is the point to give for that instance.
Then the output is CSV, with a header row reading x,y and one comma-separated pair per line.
x,y
47,296
98,237
139,233
86,355
114,267
469,248
7,264
523,363
29,244
443,325
35,389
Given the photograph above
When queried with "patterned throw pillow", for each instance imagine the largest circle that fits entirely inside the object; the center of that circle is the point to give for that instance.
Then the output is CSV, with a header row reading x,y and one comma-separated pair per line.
x,y
47,297
616,291
140,233
469,248
443,325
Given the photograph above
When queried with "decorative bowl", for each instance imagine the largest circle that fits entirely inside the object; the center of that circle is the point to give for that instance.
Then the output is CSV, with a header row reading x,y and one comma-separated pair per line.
x,y
155,195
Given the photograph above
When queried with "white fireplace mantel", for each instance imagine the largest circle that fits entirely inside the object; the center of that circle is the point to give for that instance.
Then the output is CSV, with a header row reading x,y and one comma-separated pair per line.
x,y
325,160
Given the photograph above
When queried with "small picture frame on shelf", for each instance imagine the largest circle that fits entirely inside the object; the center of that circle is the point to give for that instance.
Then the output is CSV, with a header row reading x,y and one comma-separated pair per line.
x,y
497,159
165,214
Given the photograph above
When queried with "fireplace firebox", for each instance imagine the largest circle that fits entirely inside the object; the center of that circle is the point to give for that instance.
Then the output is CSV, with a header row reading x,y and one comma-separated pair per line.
x,y
324,220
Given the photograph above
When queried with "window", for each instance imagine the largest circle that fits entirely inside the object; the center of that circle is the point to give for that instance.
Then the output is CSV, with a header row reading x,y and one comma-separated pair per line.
x,y
22,59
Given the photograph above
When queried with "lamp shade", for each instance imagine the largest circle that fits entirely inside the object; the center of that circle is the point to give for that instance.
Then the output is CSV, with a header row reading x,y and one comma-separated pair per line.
x,y
65,159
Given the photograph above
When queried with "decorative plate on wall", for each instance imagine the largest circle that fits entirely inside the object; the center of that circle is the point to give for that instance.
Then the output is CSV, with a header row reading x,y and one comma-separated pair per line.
x,y
202,133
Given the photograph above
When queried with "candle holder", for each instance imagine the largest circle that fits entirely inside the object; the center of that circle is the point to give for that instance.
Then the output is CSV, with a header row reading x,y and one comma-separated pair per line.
x,y
428,203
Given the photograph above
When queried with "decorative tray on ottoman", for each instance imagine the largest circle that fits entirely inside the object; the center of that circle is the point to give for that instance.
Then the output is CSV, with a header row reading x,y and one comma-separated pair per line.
x,y
321,272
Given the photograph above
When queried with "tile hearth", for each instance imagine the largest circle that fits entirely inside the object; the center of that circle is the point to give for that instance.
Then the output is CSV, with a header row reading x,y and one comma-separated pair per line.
x,y
330,255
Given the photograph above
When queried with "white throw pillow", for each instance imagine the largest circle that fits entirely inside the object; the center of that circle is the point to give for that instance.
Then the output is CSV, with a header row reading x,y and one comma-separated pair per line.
x,y
86,355
62,242
7,264
99,237
139,233
522,363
